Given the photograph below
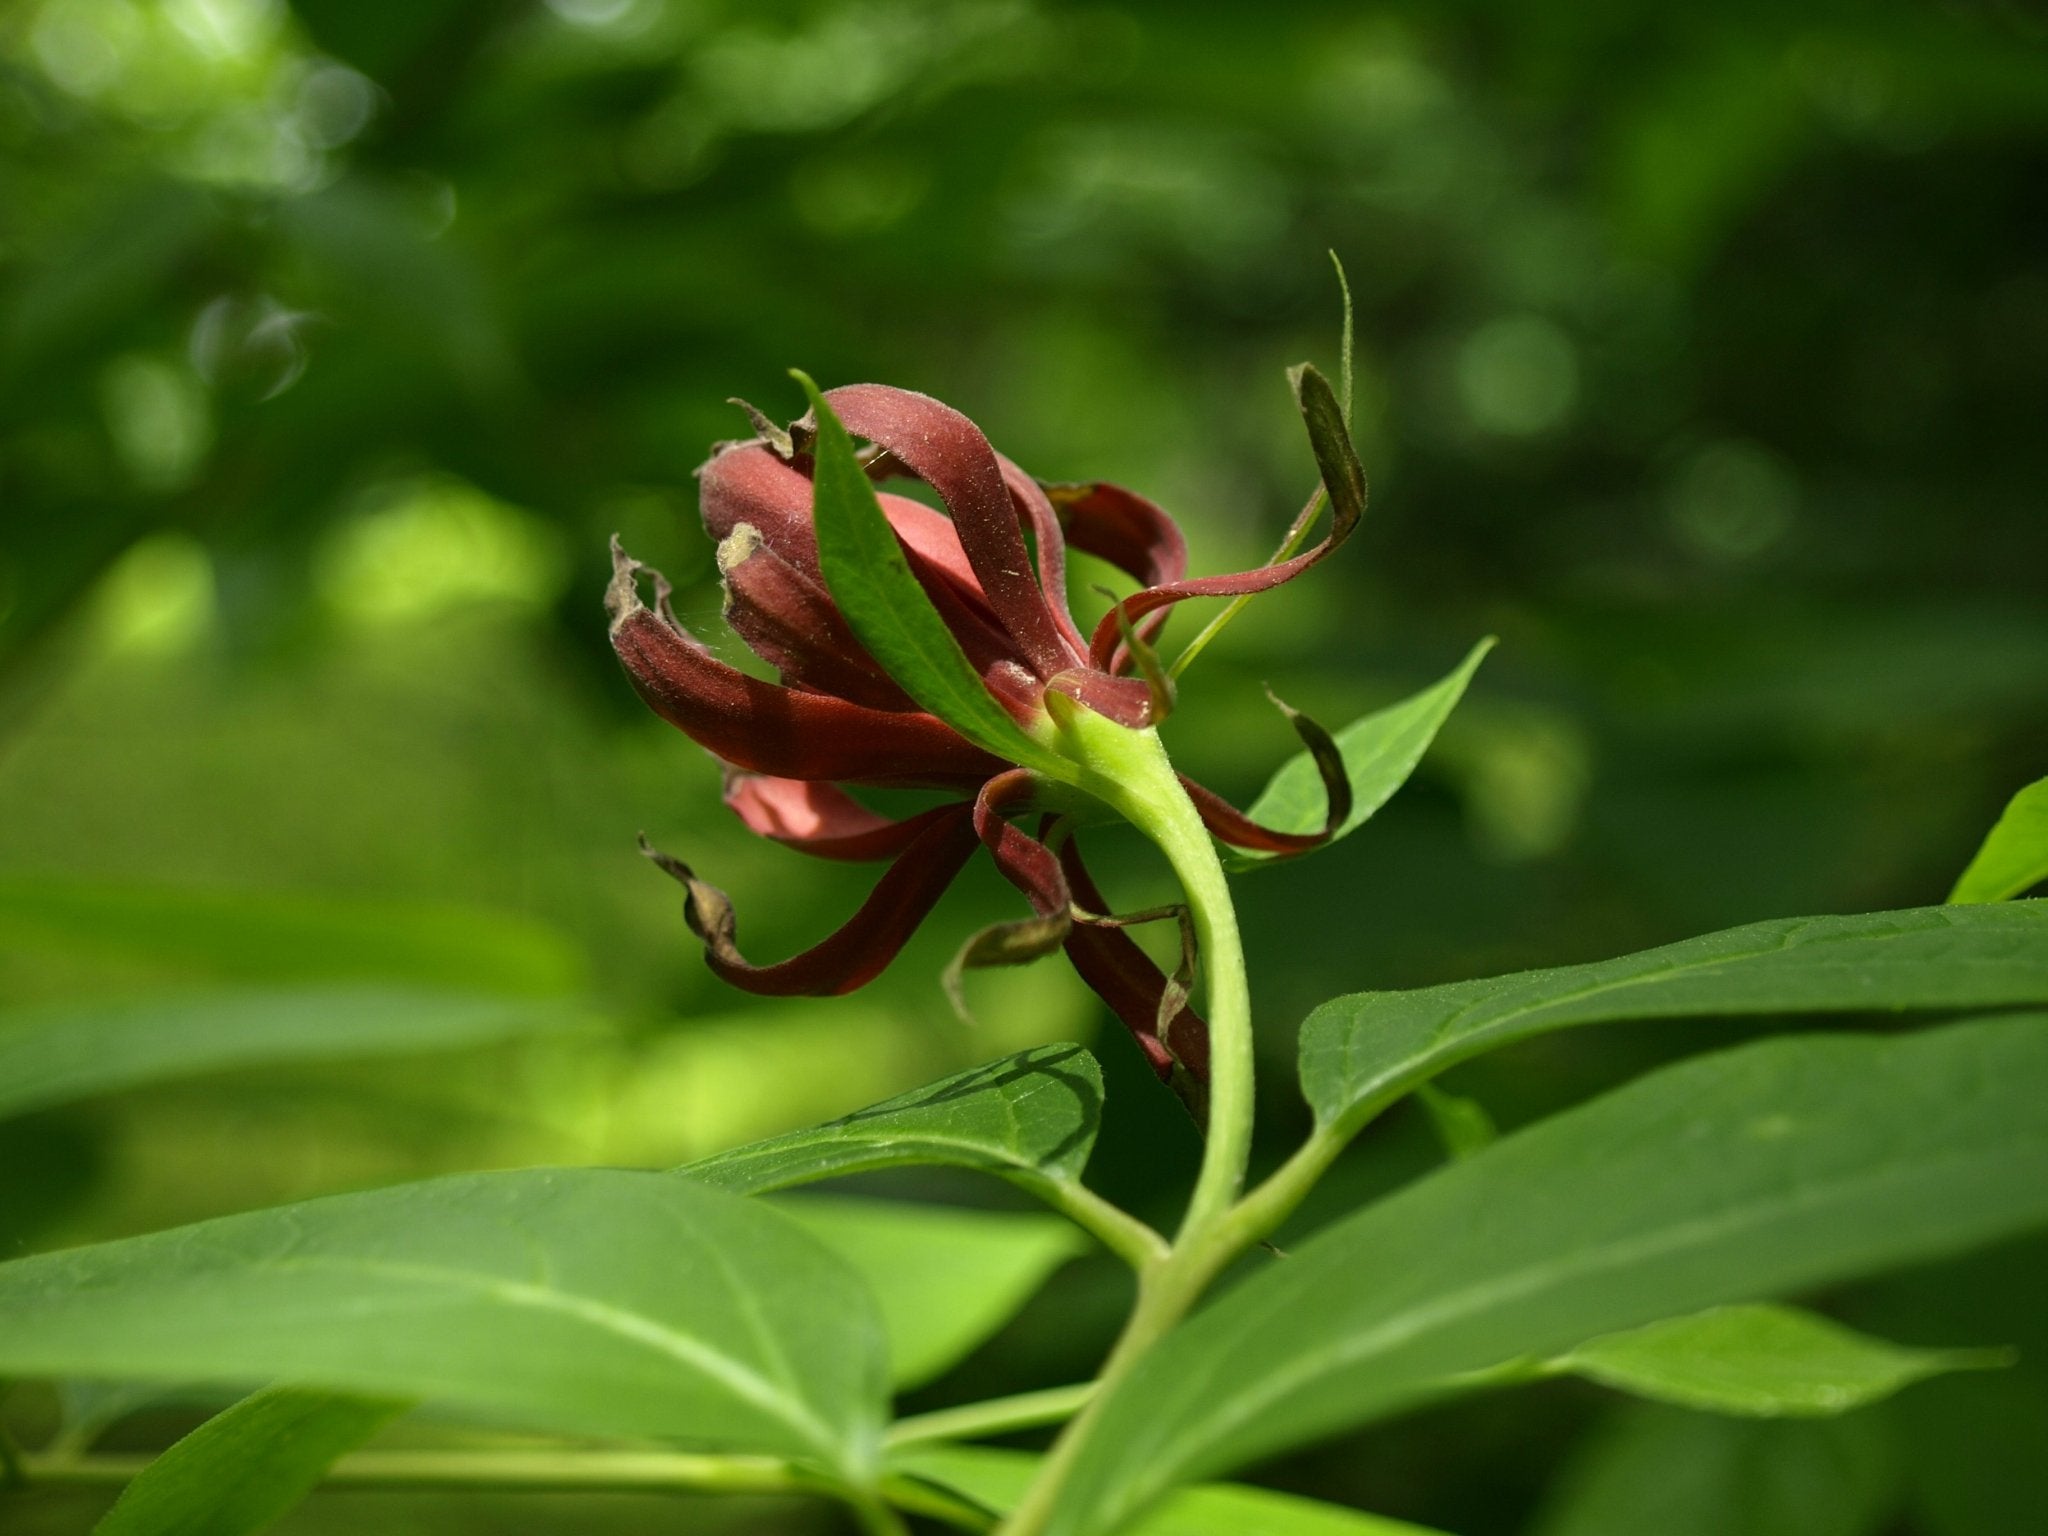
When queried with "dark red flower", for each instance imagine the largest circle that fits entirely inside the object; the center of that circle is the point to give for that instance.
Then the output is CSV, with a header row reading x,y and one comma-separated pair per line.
x,y
994,567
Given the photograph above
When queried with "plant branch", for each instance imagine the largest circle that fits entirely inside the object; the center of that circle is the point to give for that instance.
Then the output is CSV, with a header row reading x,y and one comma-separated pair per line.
x,y
1115,1228
997,1416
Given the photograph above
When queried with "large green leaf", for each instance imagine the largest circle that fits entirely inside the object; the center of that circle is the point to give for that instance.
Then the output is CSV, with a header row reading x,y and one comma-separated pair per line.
x,y
61,1052
996,1479
2014,857
1359,1053
1380,751
1783,1164
946,1278
275,936
1661,1472
240,1470
1031,1117
872,583
1761,1361
583,1300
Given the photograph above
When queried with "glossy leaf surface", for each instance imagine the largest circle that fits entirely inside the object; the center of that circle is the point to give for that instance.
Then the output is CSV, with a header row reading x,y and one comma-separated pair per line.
x,y
62,1052
1380,751
1358,1053
1780,1165
946,1278
582,1300
244,1468
1031,1117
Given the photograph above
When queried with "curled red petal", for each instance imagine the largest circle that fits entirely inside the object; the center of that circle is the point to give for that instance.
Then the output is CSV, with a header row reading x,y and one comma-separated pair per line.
x,y
770,729
1049,544
1132,534
822,820
949,453
1126,700
1344,483
749,483
1232,826
1123,975
860,950
1025,861
791,622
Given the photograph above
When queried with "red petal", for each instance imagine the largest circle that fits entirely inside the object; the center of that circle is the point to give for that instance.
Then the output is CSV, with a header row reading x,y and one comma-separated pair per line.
x,y
789,621
747,483
1231,825
1025,862
1124,976
857,952
1103,648
1126,700
1122,527
771,729
1049,542
822,820
948,452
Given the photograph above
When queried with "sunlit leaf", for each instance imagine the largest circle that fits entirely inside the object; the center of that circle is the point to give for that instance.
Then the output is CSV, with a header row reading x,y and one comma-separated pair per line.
x,y
1359,1053
2014,857
996,1479
62,1052
1380,751
591,1301
1776,1166
240,1470
946,1278
1031,1117
1762,1361
871,581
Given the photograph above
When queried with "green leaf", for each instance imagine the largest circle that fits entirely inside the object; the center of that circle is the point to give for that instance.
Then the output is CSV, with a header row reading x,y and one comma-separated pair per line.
x,y
946,1278
1360,1053
1661,1472
591,1301
62,1052
242,1469
1031,1117
996,1480
276,936
1783,1164
2014,857
1762,1361
1380,751
870,580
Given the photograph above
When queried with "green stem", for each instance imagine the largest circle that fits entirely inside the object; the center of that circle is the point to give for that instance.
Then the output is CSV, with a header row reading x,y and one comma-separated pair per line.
x,y
526,1470
997,1416
1115,1228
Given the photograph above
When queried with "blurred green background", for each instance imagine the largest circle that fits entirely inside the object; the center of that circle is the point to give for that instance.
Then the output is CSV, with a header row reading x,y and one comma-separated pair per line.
x,y
1703,355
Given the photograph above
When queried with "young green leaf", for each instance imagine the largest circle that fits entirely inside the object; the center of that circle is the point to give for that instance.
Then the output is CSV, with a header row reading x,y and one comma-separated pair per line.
x,y
57,1053
1780,1165
946,1278
1031,1117
1761,1361
274,937
1360,1053
994,1480
591,1301
2014,857
1380,751
872,583
243,1469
